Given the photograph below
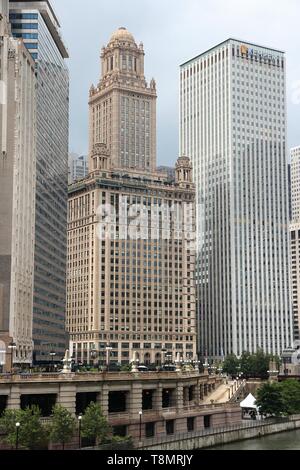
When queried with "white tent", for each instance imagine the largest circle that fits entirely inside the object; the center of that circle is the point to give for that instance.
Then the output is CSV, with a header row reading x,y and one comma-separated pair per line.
x,y
249,408
249,402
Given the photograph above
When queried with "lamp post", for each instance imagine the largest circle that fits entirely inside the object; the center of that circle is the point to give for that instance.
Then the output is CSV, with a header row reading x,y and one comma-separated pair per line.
x,y
12,346
17,435
79,430
52,354
141,415
108,350
164,351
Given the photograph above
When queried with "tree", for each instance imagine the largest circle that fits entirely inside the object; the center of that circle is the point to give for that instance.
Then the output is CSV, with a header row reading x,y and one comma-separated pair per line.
x,y
32,434
270,400
290,390
94,425
231,365
63,426
246,364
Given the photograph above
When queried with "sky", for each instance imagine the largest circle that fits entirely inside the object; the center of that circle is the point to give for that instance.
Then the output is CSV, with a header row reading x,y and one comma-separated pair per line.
x,y
173,31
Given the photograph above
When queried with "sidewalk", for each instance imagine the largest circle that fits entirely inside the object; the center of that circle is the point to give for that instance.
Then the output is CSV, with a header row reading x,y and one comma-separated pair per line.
x,y
220,395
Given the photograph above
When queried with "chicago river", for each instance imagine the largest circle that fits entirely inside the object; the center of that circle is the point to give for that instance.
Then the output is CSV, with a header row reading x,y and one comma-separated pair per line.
x,y
283,441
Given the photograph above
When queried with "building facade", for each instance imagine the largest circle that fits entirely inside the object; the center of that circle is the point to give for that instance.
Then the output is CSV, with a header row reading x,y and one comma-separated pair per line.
x,y
78,167
130,284
35,22
233,125
295,236
17,195
123,106
295,184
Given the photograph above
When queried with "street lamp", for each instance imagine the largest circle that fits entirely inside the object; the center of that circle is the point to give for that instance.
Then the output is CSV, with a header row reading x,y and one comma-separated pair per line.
x,y
52,354
12,346
17,435
79,430
141,415
108,350
164,351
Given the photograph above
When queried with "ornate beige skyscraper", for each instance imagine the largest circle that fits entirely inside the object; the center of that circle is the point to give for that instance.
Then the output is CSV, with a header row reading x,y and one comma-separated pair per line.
x,y
131,261
123,106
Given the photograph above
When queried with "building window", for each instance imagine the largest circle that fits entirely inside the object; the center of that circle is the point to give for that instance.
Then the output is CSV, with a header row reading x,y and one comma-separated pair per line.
x,y
120,431
190,424
150,430
207,421
170,427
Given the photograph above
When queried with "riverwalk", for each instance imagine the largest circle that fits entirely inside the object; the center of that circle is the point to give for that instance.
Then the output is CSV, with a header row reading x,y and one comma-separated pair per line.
x,y
219,436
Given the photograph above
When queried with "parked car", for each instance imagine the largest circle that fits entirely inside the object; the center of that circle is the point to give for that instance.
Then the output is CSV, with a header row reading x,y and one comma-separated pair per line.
x,y
143,369
168,368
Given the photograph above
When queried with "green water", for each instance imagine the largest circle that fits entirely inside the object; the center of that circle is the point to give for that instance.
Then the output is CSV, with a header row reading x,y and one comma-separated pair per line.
x,y
284,441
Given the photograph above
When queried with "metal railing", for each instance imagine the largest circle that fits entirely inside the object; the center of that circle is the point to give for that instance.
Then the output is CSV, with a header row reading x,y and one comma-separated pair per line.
x,y
217,430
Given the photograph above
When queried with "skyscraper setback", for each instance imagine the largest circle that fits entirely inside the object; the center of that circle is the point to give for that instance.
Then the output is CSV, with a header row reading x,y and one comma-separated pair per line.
x,y
233,125
36,23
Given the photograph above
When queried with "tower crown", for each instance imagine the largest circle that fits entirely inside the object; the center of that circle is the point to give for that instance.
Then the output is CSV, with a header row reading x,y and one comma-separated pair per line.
x,y
122,34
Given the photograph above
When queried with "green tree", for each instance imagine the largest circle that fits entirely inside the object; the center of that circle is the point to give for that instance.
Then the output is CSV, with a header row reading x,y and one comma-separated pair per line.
x,y
231,365
63,426
270,400
246,364
32,434
290,390
94,425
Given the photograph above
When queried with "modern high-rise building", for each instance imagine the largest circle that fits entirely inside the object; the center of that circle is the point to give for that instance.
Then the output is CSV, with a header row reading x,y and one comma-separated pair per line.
x,y
295,184
78,167
123,106
17,195
295,236
233,125
130,282
36,23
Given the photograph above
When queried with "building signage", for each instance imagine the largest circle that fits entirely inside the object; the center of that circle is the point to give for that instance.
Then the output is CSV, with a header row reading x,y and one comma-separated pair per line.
x,y
255,54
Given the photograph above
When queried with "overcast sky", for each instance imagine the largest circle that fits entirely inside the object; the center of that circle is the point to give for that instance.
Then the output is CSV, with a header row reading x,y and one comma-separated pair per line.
x,y
172,31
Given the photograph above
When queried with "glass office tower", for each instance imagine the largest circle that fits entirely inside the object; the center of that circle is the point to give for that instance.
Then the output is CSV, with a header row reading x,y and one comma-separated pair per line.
x,y
36,23
233,126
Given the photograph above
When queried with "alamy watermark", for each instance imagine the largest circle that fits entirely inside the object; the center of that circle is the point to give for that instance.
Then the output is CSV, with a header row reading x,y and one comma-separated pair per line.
x,y
164,221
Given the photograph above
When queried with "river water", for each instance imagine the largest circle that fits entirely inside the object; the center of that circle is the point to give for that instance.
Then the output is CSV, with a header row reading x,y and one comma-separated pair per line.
x,y
284,441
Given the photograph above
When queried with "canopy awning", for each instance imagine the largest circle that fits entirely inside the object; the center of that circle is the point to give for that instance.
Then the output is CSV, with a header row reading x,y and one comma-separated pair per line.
x,y
249,402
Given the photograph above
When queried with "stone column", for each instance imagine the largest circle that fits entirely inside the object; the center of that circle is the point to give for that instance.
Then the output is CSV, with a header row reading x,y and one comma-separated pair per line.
x,y
197,398
201,392
14,398
67,397
135,401
157,398
179,397
104,398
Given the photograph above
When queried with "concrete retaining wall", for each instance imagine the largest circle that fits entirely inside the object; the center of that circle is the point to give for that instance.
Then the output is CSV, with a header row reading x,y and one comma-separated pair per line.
x,y
225,437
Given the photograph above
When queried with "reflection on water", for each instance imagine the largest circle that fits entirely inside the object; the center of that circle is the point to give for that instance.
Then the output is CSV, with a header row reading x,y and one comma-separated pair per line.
x,y
283,441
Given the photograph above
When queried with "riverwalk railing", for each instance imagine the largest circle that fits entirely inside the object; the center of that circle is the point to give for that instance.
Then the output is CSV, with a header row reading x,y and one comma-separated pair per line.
x,y
217,430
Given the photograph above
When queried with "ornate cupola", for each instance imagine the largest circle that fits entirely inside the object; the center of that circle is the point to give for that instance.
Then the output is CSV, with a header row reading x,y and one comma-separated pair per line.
x,y
184,172
100,158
